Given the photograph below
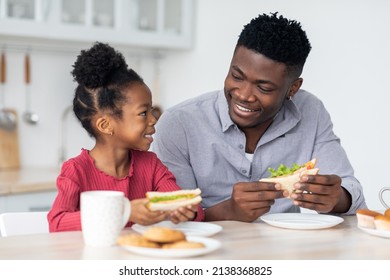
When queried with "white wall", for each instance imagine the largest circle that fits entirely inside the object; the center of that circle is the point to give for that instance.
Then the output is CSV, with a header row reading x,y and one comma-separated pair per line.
x,y
347,69
51,92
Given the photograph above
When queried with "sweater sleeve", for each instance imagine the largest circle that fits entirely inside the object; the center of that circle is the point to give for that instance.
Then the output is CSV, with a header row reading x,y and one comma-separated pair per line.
x,y
65,212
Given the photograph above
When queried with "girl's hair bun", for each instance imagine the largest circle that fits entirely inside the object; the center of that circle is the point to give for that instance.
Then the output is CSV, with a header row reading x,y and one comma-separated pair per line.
x,y
95,67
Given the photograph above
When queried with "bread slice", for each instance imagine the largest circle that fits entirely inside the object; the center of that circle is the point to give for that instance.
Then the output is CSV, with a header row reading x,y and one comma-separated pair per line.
x,y
366,218
193,192
173,204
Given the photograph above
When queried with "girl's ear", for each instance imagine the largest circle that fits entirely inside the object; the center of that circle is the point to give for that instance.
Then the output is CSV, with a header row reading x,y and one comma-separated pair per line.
x,y
104,126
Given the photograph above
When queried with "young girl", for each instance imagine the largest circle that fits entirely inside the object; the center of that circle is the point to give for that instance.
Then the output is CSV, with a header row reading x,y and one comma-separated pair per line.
x,y
114,106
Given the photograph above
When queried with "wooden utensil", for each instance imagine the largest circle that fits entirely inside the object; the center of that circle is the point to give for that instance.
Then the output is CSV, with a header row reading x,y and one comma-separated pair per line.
x,y
29,116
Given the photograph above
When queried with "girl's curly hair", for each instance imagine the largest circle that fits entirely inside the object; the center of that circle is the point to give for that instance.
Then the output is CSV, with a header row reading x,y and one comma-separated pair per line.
x,y
101,73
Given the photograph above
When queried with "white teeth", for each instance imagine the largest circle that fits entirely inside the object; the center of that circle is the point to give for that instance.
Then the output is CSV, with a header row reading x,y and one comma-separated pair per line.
x,y
148,135
244,109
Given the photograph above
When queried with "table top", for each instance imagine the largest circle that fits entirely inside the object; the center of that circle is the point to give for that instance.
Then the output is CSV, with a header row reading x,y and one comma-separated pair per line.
x,y
240,241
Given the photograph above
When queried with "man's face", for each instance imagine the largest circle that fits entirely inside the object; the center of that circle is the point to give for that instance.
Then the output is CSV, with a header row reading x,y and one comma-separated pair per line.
x,y
255,88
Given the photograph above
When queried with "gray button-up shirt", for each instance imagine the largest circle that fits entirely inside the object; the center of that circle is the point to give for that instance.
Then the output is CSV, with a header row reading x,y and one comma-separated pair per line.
x,y
204,149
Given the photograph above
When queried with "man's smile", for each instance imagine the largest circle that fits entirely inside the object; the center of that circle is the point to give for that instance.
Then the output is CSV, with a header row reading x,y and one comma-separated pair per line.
x,y
241,108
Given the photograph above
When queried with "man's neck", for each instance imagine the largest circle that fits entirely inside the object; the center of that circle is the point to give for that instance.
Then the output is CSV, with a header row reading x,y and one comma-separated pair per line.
x,y
254,134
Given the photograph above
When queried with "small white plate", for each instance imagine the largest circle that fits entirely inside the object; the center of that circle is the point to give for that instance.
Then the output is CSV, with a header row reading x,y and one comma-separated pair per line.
x,y
376,232
189,228
301,220
210,246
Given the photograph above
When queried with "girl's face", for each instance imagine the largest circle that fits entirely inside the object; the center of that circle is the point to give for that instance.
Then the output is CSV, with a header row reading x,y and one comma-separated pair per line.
x,y
135,129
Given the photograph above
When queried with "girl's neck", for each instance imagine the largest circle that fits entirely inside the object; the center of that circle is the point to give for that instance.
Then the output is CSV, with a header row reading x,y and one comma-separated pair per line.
x,y
113,162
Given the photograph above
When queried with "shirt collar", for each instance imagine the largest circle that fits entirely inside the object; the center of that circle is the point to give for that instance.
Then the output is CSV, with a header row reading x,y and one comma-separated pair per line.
x,y
226,121
287,118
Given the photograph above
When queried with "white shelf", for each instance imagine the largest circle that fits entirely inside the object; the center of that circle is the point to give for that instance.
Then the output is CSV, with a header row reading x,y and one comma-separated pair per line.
x,y
139,23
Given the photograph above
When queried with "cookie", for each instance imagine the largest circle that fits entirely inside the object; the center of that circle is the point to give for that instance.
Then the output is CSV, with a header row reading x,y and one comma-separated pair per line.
x,y
163,235
183,245
136,240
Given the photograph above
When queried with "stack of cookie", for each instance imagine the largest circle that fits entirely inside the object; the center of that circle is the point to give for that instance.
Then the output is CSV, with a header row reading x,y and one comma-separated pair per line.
x,y
159,237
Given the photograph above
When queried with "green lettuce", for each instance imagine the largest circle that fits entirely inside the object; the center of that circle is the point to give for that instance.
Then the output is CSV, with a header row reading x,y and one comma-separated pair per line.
x,y
284,170
169,197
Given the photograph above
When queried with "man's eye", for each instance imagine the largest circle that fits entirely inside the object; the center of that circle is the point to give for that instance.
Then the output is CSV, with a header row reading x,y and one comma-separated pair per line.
x,y
143,114
236,77
264,89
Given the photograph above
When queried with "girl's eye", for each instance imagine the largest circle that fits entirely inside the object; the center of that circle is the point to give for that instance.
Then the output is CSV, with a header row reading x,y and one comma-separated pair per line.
x,y
143,114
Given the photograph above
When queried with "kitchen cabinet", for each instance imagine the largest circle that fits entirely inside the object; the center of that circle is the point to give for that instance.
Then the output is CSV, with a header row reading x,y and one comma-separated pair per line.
x,y
27,202
27,189
163,24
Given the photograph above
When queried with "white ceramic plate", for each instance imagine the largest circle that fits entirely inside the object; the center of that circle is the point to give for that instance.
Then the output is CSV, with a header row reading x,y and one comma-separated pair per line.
x,y
301,220
189,228
376,232
211,245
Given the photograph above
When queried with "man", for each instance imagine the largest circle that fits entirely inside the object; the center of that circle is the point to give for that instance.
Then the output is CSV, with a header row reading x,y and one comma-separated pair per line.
x,y
224,141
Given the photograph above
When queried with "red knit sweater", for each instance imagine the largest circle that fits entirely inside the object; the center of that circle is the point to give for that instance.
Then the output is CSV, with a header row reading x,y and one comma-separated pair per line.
x,y
79,174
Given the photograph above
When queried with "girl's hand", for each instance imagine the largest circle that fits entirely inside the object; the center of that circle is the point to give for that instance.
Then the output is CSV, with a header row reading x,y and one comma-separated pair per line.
x,y
140,214
183,214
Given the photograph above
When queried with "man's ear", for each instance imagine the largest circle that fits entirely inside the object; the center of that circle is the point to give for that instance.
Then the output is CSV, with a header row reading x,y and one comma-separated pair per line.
x,y
296,85
104,126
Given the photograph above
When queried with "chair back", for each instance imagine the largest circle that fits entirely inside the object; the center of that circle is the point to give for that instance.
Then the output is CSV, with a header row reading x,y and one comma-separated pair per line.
x,y
22,223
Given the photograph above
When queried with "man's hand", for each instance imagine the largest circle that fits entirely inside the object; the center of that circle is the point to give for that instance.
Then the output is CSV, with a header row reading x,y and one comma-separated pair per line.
x,y
248,202
322,193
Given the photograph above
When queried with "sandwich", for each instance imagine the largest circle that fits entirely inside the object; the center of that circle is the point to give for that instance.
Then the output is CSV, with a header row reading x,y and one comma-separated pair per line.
x,y
288,176
168,201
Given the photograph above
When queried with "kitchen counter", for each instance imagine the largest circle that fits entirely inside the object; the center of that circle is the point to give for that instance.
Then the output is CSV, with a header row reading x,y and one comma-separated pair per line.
x,y
28,180
28,189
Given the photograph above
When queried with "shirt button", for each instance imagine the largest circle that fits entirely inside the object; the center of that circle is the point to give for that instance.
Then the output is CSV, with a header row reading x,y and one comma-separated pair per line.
x,y
244,171
241,146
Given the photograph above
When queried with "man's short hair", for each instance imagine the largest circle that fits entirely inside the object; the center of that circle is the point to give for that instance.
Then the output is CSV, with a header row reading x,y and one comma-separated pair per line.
x,y
277,38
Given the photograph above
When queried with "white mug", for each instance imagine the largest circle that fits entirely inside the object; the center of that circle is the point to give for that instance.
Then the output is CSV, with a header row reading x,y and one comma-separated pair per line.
x,y
103,215
381,197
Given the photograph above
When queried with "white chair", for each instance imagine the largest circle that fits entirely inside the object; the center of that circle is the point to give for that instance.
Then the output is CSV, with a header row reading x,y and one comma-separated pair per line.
x,y
21,223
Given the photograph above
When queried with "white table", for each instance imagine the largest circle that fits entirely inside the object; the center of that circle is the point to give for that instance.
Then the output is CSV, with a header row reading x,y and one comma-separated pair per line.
x,y
239,240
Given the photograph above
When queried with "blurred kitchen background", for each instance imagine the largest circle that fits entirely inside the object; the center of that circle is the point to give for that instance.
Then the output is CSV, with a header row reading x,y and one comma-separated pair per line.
x,y
181,48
